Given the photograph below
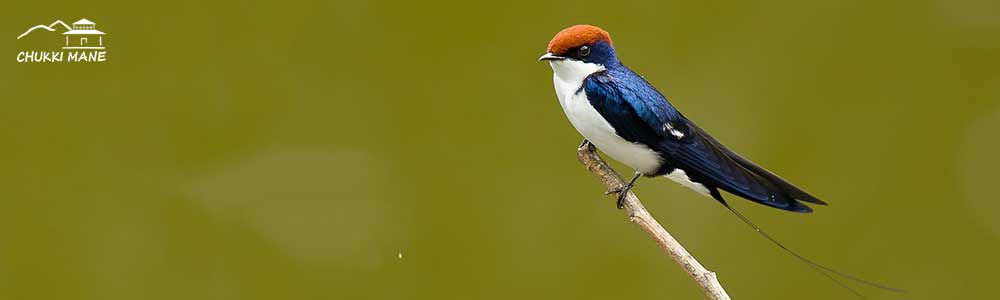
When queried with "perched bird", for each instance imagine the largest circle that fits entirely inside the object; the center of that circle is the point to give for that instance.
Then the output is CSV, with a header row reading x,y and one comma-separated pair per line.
x,y
623,115
618,111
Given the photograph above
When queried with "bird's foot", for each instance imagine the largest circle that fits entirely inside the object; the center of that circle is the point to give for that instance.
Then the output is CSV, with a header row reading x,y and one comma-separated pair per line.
x,y
584,144
621,197
622,191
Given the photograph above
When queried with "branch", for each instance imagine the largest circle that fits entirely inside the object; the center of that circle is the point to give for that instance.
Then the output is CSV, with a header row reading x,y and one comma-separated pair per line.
x,y
705,279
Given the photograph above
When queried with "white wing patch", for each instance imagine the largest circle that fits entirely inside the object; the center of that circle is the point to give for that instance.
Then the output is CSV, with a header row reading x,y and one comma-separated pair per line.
x,y
679,176
676,133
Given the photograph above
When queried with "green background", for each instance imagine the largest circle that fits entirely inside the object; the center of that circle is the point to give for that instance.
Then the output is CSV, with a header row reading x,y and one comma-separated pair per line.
x,y
292,150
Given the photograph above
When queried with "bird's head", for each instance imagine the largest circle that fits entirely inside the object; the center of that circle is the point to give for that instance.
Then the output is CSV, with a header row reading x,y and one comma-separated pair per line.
x,y
580,49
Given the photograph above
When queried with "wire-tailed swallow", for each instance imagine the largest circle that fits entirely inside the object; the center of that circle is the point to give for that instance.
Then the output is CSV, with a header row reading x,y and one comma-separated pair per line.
x,y
623,115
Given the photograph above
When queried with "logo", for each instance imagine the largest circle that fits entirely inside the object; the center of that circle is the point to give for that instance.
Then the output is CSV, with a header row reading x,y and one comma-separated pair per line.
x,y
80,43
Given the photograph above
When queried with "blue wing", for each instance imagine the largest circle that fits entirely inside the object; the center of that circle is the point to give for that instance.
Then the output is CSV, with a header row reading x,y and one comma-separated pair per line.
x,y
637,111
640,114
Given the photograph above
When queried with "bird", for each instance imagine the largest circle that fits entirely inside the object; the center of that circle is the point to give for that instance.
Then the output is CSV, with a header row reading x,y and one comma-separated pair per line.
x,y
624,116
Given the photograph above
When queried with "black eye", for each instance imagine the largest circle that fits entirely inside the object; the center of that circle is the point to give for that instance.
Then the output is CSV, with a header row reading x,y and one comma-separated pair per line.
x,y
583,51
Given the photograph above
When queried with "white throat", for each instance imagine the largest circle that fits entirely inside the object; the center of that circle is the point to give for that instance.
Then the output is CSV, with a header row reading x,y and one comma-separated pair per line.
x,y
568,76
573,71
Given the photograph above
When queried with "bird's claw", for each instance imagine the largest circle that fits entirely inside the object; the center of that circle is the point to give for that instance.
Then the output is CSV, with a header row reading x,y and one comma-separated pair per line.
x,y
614,190
622,191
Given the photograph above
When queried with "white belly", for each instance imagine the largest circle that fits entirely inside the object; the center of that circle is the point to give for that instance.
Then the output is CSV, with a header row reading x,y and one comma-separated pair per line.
x,y
592,126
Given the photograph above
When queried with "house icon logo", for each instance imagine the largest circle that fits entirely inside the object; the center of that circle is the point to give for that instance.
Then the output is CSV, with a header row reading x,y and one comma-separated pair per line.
x,y
80,43
83,36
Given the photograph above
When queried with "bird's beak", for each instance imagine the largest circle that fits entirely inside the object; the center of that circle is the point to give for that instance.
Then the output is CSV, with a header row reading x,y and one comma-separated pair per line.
x,y
550,56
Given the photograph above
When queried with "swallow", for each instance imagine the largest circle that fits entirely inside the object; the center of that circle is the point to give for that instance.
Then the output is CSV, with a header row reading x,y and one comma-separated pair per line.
x,y
622,114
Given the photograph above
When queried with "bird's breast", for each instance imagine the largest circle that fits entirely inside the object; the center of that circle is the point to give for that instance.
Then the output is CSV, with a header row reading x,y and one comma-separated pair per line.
x,y
598,131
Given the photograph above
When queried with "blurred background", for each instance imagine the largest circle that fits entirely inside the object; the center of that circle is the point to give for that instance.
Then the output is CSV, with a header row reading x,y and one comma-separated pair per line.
x,y
416,150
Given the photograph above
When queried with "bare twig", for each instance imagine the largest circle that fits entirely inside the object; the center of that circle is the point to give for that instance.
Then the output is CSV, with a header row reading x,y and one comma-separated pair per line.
x,y
705,279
